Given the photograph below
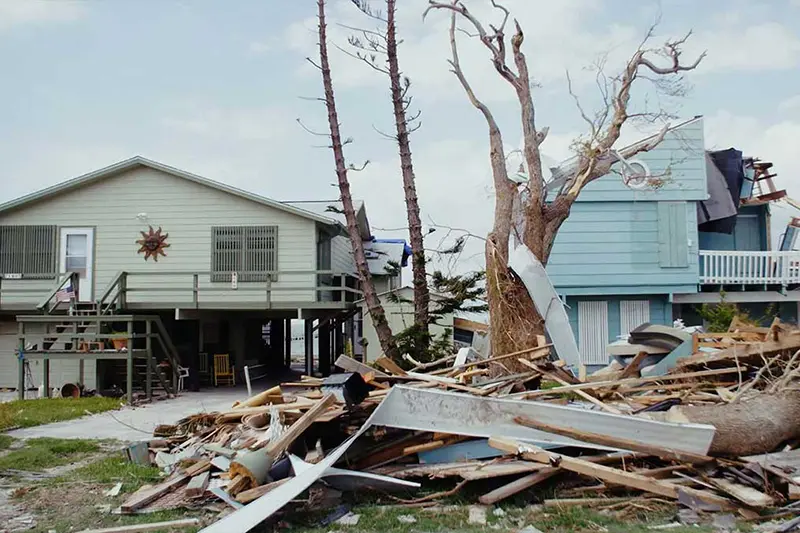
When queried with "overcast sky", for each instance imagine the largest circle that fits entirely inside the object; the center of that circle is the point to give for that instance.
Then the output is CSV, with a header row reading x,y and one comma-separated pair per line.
x,y
215,87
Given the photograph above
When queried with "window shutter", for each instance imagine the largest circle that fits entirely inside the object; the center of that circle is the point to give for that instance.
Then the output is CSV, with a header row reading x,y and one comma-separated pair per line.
x,y
593,332
250,251
673,246
632,314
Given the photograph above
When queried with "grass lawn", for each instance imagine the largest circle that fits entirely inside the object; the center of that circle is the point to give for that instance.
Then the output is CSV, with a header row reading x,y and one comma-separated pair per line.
x,y
28,413
38,454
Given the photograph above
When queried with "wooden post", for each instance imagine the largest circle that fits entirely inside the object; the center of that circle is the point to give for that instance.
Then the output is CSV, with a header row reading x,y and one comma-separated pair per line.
x,y
324,332
149,349
46,377
129,370
21,360
195,290
338,339
269,292
308,339
123,287
287,342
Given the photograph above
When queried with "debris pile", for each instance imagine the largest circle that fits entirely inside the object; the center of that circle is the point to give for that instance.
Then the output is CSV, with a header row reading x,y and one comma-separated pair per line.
x,y
716,431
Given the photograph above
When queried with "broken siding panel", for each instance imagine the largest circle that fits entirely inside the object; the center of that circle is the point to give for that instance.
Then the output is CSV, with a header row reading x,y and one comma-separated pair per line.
x,y
186,211
593,331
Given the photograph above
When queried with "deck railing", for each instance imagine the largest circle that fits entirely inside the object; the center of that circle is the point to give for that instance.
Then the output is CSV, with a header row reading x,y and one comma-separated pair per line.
x,y
749,268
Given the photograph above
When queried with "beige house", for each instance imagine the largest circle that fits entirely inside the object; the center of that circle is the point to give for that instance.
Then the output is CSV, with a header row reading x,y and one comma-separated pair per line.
x,y
400,315
180,266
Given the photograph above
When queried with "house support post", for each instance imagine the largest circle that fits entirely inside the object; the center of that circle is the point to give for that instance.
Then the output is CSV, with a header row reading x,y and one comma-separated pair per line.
x,y
308,339
325,348
149,350
129,369
287,342
338,339
276,343
46,377
21,360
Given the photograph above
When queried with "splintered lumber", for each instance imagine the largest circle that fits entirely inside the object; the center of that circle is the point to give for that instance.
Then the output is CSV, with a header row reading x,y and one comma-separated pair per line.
x,y
255,493
144,528
630,381
272,395
351,365
554,377
615,442
390,366
139,500
531,480
584,502
605,473
633,367
745,352
536,352
198,485
198,468
237,485
747,495
255,465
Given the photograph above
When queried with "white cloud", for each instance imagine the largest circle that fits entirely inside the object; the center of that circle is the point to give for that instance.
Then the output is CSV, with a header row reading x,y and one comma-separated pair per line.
x,y
261,47
790,104
745,46
17,12
242,124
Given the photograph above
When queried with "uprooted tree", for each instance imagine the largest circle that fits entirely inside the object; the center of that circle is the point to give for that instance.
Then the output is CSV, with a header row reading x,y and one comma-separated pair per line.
x,y
514,320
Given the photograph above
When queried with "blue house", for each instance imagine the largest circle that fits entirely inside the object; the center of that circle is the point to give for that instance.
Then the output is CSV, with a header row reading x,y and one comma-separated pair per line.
x,y
655,247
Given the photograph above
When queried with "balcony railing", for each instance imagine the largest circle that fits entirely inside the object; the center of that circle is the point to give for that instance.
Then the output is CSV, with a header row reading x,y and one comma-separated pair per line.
x,y
749,268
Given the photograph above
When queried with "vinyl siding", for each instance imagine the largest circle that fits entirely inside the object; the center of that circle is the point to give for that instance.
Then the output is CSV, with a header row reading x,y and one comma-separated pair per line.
x,y
605,245
186,211
342,255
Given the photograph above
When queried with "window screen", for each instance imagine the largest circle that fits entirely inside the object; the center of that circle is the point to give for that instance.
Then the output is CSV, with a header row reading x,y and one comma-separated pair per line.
x,y
28,250
250,251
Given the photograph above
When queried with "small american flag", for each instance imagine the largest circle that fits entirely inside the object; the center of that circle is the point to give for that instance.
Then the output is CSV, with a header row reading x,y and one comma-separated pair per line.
x,y
65,294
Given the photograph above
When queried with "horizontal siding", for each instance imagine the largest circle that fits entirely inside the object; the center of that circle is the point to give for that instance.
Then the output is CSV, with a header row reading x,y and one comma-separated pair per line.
x,y
681,151
612,244
186,211
342,255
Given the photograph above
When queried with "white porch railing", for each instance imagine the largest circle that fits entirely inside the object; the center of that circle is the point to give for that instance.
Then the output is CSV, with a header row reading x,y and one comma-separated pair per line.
x,y
749,268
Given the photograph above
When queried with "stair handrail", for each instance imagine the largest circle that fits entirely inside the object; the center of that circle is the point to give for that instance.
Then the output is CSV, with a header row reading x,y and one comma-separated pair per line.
x,y
118,283
72,278
166,340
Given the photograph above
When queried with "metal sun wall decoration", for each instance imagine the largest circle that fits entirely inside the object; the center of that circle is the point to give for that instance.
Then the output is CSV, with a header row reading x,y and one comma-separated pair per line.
x,y
153,243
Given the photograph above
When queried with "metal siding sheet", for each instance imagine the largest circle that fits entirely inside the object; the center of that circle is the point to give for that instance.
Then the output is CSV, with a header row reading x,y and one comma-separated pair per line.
x,y
593,331
633,313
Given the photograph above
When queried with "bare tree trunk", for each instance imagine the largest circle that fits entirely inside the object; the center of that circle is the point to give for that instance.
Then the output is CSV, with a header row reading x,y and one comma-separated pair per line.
x,y
400,105
370,296
755,425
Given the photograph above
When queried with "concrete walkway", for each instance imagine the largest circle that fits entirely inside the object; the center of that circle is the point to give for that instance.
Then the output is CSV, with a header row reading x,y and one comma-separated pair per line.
x,y
136,423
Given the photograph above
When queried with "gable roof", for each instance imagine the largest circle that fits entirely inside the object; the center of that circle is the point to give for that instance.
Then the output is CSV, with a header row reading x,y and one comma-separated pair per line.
x,y
333,209
139,161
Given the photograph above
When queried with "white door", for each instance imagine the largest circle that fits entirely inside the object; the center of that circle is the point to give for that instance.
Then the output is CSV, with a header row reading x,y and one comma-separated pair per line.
x,y
77,255
593,332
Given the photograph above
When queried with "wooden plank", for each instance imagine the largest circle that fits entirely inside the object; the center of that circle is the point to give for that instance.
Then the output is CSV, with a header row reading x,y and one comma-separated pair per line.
x,y
198,485
198,468
743,493
615,442
351,365
630,381
153,526
390,366
250,495
298,428
633,366
523,483
605,473
137,501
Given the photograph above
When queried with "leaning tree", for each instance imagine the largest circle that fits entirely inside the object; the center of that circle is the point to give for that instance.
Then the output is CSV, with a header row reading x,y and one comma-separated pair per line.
x,y
513,317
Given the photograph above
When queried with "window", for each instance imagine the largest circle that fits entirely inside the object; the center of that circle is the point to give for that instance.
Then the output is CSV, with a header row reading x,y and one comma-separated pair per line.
x,y
250,251
28,250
